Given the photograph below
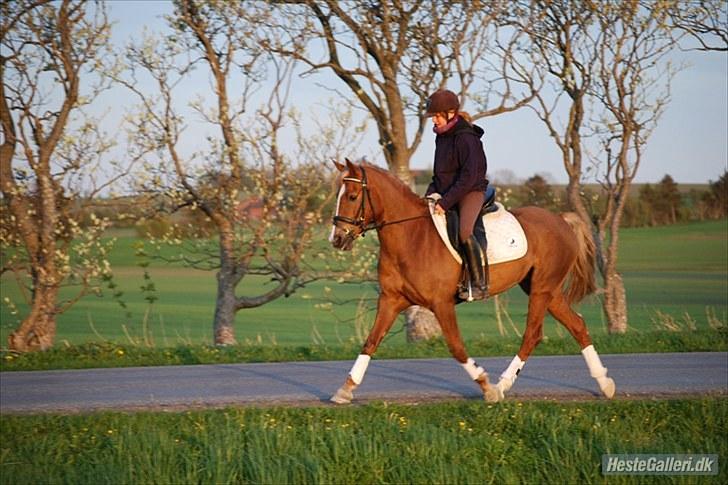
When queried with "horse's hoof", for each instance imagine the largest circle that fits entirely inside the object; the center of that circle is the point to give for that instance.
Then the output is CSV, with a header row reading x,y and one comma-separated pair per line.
x,y
494,394
342,396
608,388
504,385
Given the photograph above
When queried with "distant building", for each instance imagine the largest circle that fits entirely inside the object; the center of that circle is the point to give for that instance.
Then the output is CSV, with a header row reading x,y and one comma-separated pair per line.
x,y
249,209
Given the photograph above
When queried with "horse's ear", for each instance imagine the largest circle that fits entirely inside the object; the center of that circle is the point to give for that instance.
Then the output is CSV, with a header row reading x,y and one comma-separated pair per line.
x,y
340,167
351,167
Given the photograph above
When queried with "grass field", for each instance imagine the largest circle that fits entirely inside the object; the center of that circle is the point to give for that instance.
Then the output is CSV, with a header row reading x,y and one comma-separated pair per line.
x,y
459,442
677,270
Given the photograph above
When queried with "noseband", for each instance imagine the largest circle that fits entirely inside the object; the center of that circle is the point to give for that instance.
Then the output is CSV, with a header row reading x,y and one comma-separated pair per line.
x,y
359,221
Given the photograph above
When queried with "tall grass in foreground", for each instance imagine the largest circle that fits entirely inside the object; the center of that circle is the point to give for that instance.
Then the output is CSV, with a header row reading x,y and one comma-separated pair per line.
x,y
461,442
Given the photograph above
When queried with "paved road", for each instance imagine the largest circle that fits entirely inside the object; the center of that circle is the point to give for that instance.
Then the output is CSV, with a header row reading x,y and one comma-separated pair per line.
x,y
312,383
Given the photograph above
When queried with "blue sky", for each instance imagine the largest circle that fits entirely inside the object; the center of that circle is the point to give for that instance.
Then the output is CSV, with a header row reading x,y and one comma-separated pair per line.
x,y
690,142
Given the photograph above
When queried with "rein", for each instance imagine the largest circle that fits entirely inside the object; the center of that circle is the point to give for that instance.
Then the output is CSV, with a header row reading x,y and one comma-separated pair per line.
x,y
360,221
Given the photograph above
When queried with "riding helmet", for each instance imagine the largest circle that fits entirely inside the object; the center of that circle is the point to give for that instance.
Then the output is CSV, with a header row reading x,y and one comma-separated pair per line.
x,y
442,101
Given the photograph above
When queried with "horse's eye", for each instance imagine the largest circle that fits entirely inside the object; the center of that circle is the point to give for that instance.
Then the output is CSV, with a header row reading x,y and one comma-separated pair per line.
x,y
352,197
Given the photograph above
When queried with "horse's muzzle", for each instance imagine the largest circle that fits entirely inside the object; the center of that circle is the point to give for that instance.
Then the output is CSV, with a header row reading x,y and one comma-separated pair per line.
x,y
343,240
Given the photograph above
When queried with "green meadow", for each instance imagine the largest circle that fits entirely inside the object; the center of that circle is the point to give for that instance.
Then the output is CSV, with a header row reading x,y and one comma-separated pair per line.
x,y
676,277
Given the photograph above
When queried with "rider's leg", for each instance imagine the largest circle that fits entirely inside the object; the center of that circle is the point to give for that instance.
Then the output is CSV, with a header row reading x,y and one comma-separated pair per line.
x,y
473,255
475,259
469,209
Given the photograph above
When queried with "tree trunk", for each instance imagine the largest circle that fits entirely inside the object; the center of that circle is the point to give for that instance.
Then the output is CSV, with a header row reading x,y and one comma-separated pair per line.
x,y
421,324
38,330
223,325
615,304
576,203
615,298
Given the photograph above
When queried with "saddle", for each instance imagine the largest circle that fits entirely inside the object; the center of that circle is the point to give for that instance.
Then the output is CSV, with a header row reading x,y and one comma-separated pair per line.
x,y
506,239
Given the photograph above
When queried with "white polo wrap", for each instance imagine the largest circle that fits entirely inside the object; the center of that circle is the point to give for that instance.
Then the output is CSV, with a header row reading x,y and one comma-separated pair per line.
x,y
508,377
596,369
359,368
473,370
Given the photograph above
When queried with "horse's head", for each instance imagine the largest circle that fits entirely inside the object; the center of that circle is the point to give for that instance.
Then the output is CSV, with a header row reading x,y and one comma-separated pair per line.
x,y
354,212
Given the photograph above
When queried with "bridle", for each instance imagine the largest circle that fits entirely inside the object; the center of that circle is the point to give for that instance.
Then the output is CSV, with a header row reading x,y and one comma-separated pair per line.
x,y
359,220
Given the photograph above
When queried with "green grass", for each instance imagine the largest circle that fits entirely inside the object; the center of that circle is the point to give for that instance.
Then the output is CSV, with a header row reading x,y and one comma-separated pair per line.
x,y
696,247
110,354
457,442
676,270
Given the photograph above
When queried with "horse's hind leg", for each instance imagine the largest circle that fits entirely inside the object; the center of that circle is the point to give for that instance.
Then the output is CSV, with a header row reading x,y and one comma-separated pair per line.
x,y
445,313
388,307
537,305
574,323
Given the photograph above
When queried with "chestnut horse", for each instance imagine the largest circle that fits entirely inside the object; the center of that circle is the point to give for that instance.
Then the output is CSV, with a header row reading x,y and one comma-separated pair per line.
x,y
559,248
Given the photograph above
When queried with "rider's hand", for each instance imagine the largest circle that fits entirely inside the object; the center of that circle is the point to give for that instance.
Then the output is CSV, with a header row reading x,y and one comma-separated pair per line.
x,y
439,210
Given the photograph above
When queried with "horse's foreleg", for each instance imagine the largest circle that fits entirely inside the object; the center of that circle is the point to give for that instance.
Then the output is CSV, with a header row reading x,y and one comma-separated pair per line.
x,y
445,314
388,308
537,304
574,323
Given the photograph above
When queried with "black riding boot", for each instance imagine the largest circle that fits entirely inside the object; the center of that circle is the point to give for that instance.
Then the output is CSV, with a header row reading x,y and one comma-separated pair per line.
x,y
477,269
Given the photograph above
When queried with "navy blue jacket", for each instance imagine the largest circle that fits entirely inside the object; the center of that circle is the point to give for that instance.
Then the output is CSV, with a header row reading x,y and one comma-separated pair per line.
x,y
460,163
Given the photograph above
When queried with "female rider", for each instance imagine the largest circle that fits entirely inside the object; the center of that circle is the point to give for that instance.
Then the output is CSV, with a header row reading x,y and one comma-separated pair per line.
x,y
459,177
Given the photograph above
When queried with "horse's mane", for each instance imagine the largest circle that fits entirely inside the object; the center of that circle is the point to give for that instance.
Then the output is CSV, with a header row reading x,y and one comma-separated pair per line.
x,y
403,188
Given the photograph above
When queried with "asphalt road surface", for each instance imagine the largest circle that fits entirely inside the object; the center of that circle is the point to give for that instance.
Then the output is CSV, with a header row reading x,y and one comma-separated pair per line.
x,y
312,383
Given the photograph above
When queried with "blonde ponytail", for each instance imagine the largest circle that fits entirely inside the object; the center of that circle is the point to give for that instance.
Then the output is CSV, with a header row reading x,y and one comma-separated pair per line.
x,y
466,116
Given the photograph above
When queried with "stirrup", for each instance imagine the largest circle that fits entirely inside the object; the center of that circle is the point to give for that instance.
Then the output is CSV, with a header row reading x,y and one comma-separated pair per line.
x,y
476,269
469,293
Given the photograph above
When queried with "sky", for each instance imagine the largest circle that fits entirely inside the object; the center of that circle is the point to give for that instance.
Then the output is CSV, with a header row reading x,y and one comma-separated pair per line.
x,y
690,142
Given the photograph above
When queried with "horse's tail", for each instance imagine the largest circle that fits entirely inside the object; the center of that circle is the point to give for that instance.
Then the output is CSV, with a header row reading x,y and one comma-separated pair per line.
x,y
581,281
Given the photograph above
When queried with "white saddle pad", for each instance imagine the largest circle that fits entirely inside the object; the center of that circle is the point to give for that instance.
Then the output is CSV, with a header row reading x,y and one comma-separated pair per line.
x,y
506,239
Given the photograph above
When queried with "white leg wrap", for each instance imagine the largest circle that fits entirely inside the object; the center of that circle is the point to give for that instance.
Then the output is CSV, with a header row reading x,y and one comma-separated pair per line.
x,y
508,377
359,368
473,371
596,369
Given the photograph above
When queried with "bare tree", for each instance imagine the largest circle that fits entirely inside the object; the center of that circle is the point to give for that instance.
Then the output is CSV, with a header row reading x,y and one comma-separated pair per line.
x,y
704,22
244,166
392,55
564,44
606,66
632,89
52,160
